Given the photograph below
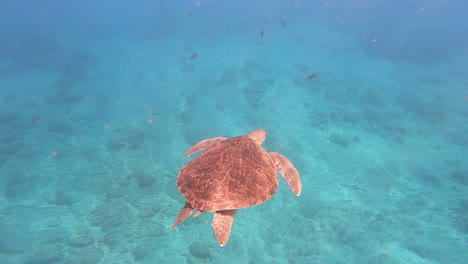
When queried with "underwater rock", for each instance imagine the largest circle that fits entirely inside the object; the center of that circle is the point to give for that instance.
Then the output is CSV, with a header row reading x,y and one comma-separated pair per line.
x,y
19,228
460,176
136,140
86,255
11,147
351,118
199,250
13,240
45,254
62,198
145,205
109,216
142,251
92,153
148,211
21,186
64,96
9,117
339,139
144,180
229,77
116,145
115,192
60,127
92,179
80,240
320,119
115,237
256,91
149,228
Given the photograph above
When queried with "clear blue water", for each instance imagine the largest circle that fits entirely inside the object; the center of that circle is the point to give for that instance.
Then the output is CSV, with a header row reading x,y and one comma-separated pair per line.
x,y
100,99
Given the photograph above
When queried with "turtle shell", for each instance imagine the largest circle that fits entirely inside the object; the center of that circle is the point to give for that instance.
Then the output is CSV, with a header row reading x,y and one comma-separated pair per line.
x,y
236,173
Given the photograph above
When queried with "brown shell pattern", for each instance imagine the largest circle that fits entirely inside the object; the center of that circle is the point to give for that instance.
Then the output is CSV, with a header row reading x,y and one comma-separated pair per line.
x,y
236,173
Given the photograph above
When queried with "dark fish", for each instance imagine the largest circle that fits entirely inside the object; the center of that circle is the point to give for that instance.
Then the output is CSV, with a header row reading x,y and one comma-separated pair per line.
x,y
312,76
194,55
263,33
283,22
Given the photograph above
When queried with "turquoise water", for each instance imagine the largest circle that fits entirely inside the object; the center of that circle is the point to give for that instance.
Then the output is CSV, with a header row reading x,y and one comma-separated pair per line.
x,y
101,99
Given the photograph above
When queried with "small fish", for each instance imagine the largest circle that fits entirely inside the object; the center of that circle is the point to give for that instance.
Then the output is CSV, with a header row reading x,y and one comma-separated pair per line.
x,y
283,22
263,33
312,76
194,55
189,13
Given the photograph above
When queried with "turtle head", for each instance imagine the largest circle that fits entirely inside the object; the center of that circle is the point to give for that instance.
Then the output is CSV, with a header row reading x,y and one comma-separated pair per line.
x,y
258,135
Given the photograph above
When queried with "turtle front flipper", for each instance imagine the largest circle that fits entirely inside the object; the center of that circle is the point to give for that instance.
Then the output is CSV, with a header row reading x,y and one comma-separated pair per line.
x,y
204,144
222,223
184,213
287,170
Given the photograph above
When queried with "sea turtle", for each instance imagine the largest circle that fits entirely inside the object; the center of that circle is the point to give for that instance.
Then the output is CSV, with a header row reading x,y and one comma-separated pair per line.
x,y
231,173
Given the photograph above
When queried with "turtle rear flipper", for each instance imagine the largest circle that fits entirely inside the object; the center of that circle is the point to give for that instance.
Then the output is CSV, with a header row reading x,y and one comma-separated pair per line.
x,y
222,223
184,213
